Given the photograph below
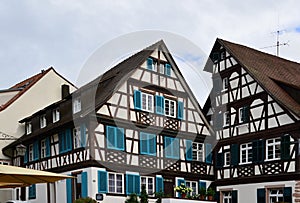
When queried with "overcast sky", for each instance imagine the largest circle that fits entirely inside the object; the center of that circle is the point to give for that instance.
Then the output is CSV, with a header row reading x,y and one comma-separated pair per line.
x,y
64,34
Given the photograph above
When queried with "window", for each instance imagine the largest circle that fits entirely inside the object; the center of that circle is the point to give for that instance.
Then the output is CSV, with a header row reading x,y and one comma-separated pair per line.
x,y
275,195
55,115
65,141
147,102
76,105
273,149
32,192
193,185
76,138
225,83
115,183
226,118
148,182
227,196
161,68
43,121
227,159
28,128
30,151
148,143
198,154
170,108
246,153
150,65
115,138
171,147
244,114
43,148
168,69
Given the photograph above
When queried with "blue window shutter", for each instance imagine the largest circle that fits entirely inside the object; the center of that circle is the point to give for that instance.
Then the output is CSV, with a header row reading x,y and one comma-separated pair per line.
x,y
110,136
26,156
147,143
285,146
132,184
68,139
143,143
32,191
179,182
137,99
168,69
69,190
167,147
287,194
171,147
83,135
160,104
61,137
189,150
48,147
208,155
149,63
102,182
84,184
159,184
234,196
220,160
261,195
180,110
234,153
35,150
120,138
202,184
152,144
176,149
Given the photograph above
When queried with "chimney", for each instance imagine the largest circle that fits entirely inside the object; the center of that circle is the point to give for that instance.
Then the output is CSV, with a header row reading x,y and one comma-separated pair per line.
x,y
65,91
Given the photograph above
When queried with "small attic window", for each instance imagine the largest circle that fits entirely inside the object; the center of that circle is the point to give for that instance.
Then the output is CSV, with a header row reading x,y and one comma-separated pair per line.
x,y
76,105
223,55
215,57
28,127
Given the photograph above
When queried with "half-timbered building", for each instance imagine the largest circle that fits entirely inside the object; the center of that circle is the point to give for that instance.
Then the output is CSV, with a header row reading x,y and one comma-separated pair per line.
x,y
254,109
137,124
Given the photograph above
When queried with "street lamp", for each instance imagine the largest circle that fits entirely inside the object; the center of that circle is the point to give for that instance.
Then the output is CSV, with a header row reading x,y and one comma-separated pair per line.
x,y
21,150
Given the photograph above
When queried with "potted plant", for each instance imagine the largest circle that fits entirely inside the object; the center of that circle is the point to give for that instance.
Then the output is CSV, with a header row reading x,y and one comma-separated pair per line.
x,y
183,190
133,198
202,193
210,194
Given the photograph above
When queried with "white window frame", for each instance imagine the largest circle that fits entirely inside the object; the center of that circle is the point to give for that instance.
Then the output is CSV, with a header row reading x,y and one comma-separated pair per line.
x,y
55,115
115,183
246,149
161,68
272,144
226,117
147,102
198,149
147,184
30,152
190,183
43,148
226,196
43,121
225,83
28,128
227,158
76,105
76,137
169,102
277,195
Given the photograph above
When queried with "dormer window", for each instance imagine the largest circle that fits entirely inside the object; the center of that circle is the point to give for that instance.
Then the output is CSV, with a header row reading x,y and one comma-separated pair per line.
x,y
55,115
225,83
43,121
76,105
28,128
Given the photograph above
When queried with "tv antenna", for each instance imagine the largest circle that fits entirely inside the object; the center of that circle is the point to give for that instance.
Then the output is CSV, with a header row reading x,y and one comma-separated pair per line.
x,y
278,44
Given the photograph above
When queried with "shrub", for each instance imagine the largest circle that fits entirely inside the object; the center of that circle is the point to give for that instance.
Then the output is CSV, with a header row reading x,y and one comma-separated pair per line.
x,y
85,200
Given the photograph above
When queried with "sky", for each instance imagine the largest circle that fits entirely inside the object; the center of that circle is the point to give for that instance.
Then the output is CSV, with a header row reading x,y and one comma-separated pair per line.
x,y
64,34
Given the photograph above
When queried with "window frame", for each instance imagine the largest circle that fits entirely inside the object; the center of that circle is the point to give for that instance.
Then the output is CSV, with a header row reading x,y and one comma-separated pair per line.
x,y
115,145
275,142
226,196
225,84
145,106
227,158
226,118
168,111
147,178
76,105
55,115
242,117
277,195
43,121
115,184
197,151
149,138
43,148
188,183
30,152
28,127
248,150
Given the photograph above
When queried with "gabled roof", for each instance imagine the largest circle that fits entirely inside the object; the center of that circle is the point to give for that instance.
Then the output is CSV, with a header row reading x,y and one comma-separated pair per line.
x,y
278,76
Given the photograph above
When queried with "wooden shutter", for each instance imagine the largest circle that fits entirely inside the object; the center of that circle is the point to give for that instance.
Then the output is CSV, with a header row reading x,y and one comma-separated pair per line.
x,y
234,196
189,150
234,153
152,144
261,195
82,135
36,150
180,110
258,149
143,143
120,138
69,140
176,148
245,114
168,69
159,184
202,184
287,194
110,137
48,147
160,104
69,190
149,63
132,184
179,182
26,155
208,153
168,147
220,160
285,147
61,138
102,182
137,99
84,184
